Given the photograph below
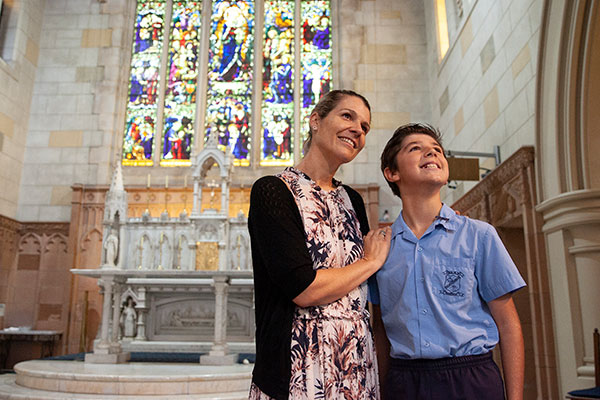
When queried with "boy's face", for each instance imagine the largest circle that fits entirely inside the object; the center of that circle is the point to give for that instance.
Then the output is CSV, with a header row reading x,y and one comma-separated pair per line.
x,y
420,161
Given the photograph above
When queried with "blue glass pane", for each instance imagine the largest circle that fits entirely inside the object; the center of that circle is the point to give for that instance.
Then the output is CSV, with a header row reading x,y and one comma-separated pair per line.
x,y
180,95
144,82
315,54
278,89
230,61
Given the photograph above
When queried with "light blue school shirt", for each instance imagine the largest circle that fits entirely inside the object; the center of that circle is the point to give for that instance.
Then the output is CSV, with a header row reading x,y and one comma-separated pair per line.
x,y
433,291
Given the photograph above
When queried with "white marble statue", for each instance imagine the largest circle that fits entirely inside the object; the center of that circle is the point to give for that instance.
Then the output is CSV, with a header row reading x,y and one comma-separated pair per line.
x,y
129,320
111,248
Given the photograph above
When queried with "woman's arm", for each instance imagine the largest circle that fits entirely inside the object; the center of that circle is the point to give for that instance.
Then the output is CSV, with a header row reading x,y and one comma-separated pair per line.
x,y
331,284
280,257
279,245
512,348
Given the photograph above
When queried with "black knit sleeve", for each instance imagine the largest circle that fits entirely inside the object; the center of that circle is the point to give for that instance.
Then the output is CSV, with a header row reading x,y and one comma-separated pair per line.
x,y
278,239
359,209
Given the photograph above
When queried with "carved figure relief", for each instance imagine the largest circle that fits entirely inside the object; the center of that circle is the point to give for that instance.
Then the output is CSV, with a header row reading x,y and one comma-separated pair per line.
x,y
208,232
239,253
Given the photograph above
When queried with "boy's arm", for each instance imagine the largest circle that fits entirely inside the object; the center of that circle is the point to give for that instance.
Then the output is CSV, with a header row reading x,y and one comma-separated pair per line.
x,y
382,345
512,348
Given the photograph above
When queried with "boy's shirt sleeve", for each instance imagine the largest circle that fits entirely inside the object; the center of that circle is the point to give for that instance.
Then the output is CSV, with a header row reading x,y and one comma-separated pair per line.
x,y
496,272
373,293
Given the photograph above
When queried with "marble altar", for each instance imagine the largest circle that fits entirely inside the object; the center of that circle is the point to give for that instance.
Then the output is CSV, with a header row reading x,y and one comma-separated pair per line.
x,y
182,279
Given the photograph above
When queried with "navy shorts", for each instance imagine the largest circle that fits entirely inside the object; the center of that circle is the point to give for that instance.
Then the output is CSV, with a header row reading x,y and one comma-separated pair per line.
x,y
465,378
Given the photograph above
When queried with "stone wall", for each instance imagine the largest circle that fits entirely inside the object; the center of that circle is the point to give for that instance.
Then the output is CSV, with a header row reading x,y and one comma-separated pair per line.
x,y
483,91
8,250
20,30
76,120
383,55
34,279
73,119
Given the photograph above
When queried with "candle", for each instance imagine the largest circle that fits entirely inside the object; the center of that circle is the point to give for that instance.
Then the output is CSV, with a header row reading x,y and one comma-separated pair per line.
x,y
185,182
167,182
148,181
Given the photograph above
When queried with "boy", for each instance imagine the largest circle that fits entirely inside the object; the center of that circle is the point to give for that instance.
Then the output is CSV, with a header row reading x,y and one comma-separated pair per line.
x,y
444,292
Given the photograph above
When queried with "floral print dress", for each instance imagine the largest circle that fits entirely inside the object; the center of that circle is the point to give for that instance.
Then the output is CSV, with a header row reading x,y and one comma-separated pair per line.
x,y
332,347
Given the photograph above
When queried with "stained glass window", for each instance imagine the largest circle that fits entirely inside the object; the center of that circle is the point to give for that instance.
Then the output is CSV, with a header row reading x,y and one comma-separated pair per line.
x,y
180,97
144,79
315,55
295,71
277,84
230,62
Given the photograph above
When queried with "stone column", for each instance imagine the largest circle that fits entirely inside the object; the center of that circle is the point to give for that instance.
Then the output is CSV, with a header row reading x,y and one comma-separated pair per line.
x,y
218,353
224,197
115,344
572,226
141,311
106,352
197,208
104,344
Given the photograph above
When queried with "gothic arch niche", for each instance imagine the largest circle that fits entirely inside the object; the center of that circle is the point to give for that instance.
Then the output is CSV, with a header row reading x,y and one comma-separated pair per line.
x,y
568,181
506,198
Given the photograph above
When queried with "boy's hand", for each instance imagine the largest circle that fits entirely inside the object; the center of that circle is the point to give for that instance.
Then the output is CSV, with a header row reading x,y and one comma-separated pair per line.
x,y
377,245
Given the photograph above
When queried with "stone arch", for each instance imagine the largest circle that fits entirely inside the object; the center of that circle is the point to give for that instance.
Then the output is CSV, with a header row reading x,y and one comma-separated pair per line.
x,y
568,178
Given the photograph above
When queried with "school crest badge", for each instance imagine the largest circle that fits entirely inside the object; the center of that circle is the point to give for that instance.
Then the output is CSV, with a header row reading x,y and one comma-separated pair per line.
x,y
452,283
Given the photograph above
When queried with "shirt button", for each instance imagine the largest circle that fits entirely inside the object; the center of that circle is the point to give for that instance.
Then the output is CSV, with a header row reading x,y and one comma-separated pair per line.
x,y
419,249
424,311
426,344
422,279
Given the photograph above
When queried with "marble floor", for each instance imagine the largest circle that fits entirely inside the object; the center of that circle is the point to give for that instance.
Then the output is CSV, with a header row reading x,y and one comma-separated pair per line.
x,y
45,380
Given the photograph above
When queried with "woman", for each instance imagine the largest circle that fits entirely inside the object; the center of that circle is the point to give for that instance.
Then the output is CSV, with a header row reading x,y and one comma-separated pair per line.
x,y
311,256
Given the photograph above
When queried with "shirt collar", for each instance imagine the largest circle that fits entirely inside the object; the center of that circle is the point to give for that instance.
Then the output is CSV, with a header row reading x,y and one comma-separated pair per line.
x,y
447,219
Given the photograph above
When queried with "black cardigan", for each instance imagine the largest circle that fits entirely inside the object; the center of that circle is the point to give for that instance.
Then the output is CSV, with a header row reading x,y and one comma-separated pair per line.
x,y
283,268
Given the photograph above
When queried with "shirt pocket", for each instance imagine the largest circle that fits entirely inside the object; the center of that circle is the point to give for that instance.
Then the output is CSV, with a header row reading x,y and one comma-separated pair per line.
x,y
452,280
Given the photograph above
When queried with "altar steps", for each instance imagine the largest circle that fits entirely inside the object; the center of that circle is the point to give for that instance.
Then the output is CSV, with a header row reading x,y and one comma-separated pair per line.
x,y
49,380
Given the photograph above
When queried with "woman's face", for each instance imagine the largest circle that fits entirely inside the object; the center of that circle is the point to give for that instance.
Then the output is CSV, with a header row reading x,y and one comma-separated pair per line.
x,y
341,134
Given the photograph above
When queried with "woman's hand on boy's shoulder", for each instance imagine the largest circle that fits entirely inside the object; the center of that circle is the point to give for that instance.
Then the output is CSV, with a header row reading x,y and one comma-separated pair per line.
x,y
377,245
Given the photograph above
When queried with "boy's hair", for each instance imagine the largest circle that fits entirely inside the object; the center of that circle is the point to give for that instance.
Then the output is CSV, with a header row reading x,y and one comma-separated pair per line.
x,y
327,103
393,146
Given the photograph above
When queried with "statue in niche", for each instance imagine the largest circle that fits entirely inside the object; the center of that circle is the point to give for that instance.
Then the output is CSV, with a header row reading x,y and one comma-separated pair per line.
x,y
129,320
111,248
